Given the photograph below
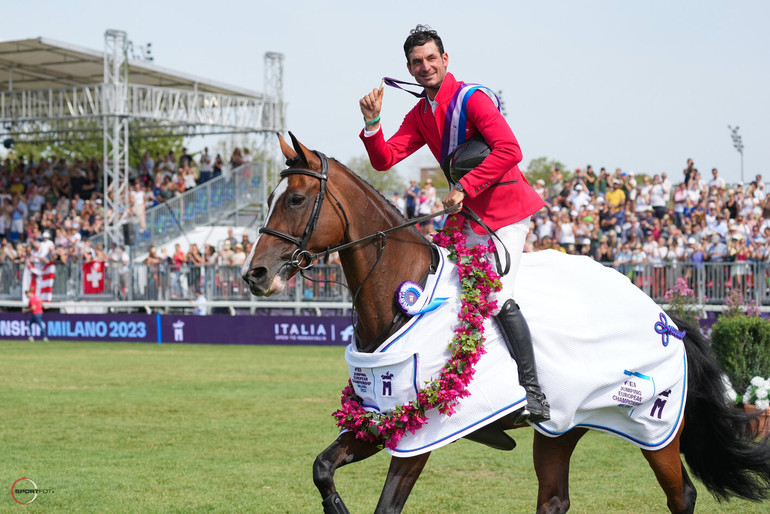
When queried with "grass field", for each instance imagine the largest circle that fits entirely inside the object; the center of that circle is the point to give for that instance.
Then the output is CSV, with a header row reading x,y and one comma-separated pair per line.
x,y
183,428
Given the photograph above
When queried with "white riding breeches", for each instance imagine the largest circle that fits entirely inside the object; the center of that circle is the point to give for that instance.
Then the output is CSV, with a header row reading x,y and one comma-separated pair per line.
x,y
513,236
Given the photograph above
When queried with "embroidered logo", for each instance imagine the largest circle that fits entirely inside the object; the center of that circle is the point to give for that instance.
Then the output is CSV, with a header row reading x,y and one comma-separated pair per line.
x,y
387,384
665,330
361,380
660,402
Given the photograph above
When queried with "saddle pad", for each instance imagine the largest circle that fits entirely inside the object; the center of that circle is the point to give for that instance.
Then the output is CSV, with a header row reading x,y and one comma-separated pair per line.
x,y
600,360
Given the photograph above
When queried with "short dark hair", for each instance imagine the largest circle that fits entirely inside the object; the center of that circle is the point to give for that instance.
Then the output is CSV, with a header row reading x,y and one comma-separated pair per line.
x,y
419,36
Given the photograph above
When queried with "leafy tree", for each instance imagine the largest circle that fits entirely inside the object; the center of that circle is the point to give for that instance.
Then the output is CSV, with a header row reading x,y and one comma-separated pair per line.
x,y
541,167
83,140
384,181
438,178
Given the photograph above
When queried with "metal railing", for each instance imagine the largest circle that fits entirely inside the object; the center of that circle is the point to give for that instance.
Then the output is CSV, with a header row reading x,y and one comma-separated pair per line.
x,y
203,205
138,282
165,282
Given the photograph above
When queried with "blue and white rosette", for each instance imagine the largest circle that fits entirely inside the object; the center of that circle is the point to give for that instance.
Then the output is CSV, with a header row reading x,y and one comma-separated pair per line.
x,y
412,300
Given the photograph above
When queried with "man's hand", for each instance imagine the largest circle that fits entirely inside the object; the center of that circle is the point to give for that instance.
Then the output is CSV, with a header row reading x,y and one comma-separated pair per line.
x,y
371,105
454,199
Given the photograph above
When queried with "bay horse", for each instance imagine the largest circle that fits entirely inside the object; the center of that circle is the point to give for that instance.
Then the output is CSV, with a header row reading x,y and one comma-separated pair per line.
x,y
319,204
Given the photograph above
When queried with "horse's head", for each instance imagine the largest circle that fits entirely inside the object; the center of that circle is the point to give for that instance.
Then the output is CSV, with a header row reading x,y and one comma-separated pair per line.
x,y
298,222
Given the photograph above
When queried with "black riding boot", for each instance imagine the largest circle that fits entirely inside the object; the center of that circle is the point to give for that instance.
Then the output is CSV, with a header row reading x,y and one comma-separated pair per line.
x,y
516,334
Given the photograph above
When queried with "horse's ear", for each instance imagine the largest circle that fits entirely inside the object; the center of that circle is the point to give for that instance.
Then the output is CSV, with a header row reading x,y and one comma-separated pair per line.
x,y
309,158
286,150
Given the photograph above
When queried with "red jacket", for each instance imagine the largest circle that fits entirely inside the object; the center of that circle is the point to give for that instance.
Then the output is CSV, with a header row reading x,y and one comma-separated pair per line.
x,y
496,190
35,305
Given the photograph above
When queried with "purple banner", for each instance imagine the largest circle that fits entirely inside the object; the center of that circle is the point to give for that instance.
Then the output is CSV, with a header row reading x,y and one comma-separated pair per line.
x,y
171,328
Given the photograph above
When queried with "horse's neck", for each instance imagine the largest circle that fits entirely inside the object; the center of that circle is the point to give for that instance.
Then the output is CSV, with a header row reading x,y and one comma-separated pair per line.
x,y
406,256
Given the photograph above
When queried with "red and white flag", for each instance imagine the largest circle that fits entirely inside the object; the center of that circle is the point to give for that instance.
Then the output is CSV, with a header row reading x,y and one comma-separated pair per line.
x,y
39,277
93,277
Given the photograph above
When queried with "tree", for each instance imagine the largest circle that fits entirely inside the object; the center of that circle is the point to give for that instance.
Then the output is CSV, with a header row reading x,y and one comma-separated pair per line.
x,y
82,139
541,167
384,181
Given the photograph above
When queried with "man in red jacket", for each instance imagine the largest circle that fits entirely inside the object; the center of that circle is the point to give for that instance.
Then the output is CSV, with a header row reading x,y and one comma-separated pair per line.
x,y
448,114
35,306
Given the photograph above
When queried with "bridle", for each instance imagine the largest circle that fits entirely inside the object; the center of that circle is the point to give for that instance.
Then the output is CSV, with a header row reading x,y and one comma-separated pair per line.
x,y
302,258
301,254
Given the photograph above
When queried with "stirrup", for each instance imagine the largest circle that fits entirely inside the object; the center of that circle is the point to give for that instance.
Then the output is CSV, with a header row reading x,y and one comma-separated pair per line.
x,y
538,408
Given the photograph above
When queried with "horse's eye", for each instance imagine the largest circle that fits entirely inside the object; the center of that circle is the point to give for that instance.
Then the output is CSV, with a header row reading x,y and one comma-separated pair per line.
x,y
296,200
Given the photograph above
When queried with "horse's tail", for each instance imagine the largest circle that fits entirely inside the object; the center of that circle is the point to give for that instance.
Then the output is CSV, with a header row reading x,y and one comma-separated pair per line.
x,y
718,441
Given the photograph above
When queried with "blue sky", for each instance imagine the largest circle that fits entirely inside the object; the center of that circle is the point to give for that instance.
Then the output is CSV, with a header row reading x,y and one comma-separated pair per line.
x,y
636,85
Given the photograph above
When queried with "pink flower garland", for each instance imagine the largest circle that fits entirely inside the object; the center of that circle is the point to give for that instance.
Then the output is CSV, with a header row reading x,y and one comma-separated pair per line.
x,y
478,280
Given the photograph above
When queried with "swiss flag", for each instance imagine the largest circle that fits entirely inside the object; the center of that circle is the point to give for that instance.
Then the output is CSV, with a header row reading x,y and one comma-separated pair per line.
x,y
93,277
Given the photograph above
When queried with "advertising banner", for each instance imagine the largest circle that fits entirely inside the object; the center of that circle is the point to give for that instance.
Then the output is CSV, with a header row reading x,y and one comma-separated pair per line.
x,y
172,328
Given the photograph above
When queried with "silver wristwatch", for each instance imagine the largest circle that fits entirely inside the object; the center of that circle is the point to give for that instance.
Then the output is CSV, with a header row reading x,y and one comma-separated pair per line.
x,y
458,187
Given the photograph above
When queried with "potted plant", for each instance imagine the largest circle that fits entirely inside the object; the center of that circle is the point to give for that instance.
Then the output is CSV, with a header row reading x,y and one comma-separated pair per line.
x,y
756,398
741,342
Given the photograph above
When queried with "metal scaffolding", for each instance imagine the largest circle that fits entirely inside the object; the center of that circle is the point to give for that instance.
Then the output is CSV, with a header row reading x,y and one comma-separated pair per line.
x,y
52,88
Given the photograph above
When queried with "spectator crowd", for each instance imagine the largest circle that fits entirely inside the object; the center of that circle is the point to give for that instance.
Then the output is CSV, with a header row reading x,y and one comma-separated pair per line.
x,y
618,218
63,200
629,221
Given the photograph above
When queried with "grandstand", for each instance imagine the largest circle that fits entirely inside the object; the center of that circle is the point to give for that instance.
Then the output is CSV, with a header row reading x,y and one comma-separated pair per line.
x,y
50,86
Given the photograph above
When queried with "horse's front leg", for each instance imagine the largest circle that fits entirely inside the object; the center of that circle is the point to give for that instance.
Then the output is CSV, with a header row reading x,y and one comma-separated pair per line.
x,y
402,475
344,450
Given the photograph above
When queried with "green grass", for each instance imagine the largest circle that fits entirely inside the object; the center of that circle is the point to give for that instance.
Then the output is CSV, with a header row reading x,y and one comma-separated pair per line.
x,y
184,428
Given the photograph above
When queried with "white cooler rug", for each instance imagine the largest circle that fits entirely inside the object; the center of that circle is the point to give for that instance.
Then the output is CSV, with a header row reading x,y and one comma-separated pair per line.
x,y
601,361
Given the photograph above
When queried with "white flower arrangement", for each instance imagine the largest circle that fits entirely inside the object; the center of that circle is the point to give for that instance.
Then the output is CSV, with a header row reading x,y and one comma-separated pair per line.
x,y
730,395
757,393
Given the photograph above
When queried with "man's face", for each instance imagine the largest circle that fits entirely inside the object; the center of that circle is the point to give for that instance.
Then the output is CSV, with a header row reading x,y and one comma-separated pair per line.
x,y
427,65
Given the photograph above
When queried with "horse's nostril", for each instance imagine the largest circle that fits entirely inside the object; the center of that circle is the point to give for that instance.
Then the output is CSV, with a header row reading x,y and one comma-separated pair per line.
x,y
258,273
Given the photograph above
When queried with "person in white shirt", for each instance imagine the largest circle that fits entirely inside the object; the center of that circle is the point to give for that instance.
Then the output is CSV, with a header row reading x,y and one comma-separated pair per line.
x,y
716,180
579,197
667,186
206,168
658,197
137,198
201,307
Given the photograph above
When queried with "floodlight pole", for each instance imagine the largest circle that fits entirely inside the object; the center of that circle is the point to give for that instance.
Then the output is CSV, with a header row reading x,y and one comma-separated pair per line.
x,y
738,144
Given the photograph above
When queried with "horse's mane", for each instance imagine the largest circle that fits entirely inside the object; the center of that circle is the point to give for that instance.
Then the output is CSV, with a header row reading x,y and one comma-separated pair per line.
x,y
376,191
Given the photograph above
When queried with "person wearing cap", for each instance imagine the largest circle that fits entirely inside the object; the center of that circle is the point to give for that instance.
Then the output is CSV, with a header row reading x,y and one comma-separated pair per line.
x,y
616,196
496,189
239,255
716,250
579,197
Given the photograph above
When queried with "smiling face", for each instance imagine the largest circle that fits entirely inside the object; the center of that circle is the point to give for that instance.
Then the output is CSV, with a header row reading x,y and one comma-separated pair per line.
x,y
428,66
